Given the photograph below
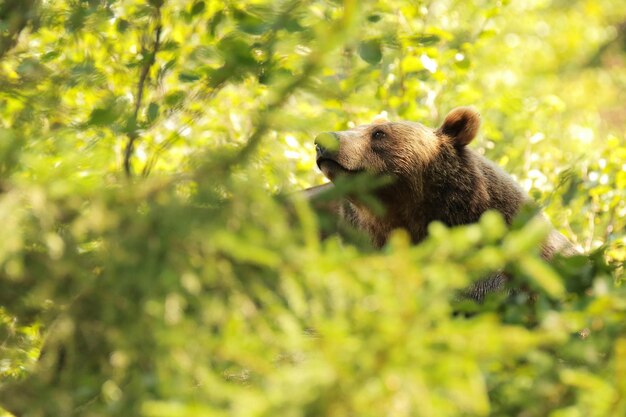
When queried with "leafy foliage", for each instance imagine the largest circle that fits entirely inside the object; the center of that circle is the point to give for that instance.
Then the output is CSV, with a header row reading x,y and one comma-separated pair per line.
x,y
155,259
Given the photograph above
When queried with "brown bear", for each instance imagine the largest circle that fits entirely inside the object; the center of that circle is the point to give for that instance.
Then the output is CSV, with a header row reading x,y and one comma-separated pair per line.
x,y
436,177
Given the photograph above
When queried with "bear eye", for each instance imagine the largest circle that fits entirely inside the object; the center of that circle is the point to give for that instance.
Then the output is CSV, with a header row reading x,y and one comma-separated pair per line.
x,y
378,135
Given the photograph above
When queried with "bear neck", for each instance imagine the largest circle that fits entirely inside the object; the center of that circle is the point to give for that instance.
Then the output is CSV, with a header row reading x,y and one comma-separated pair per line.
x,y
402,211
460,185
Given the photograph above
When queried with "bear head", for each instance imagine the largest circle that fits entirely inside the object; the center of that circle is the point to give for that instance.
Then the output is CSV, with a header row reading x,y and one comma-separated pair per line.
x,y
400,149
433,175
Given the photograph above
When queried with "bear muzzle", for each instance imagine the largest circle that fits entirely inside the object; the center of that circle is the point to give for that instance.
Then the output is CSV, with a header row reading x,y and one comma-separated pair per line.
x,y
326,143
328,156
326,148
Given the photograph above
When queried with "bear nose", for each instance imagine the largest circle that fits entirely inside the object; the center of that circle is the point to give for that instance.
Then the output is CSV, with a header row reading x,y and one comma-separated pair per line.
x,y
326,142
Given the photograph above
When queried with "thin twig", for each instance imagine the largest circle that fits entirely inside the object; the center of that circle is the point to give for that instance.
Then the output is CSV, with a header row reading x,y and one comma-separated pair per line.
x,y
145,70
161,148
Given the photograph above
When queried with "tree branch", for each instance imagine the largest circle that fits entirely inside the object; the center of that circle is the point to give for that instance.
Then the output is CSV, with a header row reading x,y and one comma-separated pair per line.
x,y
15,15
145,70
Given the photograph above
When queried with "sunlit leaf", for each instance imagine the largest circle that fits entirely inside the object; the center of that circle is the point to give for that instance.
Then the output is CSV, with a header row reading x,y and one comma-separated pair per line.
x,y
158,255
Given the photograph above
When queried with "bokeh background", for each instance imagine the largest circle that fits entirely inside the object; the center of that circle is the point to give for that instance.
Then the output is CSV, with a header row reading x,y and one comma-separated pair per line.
x,y
155,258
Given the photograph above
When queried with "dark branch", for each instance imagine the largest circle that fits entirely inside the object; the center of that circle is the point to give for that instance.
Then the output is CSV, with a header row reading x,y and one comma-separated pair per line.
x,y
145,70
15,15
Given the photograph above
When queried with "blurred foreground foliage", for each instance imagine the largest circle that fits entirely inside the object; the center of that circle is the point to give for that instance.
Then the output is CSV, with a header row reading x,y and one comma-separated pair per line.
x,y
154,260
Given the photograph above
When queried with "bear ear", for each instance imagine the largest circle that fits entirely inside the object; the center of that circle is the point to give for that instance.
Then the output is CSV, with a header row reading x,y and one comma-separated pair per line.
x,y
461,125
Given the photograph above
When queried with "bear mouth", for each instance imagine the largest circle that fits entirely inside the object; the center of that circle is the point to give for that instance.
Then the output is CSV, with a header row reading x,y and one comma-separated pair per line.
x,y
332,168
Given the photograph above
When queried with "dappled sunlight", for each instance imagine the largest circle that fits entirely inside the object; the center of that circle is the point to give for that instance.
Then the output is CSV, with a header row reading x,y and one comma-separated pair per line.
x,y
158,256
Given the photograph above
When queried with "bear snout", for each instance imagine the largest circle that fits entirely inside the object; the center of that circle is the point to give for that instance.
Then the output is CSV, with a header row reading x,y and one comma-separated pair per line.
x,y
327,155
326,146
327,141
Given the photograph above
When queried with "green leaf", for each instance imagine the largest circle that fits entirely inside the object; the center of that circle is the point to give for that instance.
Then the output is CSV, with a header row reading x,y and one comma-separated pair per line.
x,y
49,56
215,20
174,98
122,25
188,77
76,19
292,25
153,112
463,63
197,8
543,275
31,68
250,23
237,52
370,51
426,40
572,189
103,116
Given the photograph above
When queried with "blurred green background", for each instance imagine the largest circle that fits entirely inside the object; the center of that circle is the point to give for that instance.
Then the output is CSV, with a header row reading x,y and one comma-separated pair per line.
x,y
155,259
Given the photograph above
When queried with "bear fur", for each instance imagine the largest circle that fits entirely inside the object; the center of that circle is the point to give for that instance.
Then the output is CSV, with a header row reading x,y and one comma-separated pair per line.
x,y
435,177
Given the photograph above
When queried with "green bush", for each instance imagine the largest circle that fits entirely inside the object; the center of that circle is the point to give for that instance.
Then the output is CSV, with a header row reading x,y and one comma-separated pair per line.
x,y
156,259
